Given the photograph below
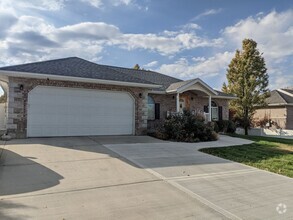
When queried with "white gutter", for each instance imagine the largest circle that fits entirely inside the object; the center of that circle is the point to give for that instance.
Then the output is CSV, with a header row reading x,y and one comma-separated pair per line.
x,y
280,104
285,92
224,97
75,79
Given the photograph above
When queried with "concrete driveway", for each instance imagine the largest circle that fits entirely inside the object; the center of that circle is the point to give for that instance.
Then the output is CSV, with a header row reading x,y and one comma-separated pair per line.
x,y
133,178
78,178
235,190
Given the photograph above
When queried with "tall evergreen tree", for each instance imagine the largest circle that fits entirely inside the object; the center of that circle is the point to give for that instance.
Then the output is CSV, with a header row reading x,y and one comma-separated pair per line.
x,y
136,67
248,80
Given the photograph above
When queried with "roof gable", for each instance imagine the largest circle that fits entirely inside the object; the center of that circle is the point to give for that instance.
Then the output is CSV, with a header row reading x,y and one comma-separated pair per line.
x,y
196,84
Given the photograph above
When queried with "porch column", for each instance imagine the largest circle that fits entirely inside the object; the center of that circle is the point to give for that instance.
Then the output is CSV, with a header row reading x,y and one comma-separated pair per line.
x,y
177,103
210,108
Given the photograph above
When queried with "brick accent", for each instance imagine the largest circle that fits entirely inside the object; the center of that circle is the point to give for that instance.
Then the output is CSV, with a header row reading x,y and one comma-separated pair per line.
x,y
168,103
17,102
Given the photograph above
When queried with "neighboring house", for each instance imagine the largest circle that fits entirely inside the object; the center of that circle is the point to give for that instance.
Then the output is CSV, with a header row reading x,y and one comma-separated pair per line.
x,y
279,108
75,97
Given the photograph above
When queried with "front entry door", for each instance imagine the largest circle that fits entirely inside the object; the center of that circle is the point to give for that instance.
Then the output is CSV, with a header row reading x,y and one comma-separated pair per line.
x,y
182,104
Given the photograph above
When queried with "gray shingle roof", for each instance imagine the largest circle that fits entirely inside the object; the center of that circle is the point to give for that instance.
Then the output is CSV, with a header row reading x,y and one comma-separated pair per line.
x,y
177,85
278,97
224,94
76,67
150,76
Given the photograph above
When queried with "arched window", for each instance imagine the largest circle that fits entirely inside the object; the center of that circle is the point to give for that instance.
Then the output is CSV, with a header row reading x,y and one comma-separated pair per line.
x,y
214,104
151,108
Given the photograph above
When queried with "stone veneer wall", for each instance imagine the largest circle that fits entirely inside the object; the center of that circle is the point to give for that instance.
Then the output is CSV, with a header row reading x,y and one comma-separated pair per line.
x,y
17,102
168,103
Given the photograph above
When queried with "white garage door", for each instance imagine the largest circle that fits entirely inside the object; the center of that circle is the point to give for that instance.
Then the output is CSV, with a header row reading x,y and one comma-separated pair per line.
x,y
54,111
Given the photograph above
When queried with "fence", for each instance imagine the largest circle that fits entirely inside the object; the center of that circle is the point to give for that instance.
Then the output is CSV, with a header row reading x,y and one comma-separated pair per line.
x,y
265,132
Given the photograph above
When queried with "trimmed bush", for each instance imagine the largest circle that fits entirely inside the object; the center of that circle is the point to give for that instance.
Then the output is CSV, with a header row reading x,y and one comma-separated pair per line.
x,y
187,127
226,126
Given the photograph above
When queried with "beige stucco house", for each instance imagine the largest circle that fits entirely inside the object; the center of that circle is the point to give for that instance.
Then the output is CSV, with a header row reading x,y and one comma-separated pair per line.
x,y
279,108
75,97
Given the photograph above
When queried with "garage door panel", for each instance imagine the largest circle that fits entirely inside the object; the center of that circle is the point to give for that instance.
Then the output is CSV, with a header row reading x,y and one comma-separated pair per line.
x,y
54,111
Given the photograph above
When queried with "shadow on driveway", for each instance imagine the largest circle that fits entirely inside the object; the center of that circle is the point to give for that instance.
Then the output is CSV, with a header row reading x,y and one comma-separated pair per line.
x,y
24,176
5,206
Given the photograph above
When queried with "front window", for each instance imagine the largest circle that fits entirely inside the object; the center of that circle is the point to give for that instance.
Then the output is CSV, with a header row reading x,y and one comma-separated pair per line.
x,y
151,108
215,111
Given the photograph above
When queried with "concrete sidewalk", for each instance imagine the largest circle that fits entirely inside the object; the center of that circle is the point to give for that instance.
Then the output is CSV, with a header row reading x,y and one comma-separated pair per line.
x,y
235,190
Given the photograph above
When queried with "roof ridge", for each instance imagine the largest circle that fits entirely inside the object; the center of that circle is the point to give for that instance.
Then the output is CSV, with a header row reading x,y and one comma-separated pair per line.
x,y
109,67
127,68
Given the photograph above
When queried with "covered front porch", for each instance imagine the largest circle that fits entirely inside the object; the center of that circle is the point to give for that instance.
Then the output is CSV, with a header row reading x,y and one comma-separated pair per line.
x,y
197,97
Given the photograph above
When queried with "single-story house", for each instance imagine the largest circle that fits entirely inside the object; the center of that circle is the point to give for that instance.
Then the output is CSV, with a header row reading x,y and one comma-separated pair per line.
x,y
75,97
279,108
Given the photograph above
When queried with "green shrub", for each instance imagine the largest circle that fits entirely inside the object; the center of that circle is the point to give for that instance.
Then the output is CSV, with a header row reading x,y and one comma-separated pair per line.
x,y
188,128
226,126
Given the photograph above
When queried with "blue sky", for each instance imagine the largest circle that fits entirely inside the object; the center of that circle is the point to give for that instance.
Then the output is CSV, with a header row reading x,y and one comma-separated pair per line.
x,y
185,39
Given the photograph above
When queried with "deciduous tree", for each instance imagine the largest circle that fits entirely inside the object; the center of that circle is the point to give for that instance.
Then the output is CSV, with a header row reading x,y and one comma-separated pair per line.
x,y
248,80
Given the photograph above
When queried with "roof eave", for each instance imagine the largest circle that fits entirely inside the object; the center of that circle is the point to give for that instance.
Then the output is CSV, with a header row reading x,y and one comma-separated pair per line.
x,y
224,97
75,79
183,87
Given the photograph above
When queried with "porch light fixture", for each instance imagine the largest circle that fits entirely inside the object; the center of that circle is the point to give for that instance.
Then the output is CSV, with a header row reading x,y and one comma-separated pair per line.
x,y
191,98
140,95
20,87
173,97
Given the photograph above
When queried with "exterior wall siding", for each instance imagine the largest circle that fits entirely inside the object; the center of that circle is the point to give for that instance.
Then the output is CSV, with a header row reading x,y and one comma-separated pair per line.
x,y
276,114
17,102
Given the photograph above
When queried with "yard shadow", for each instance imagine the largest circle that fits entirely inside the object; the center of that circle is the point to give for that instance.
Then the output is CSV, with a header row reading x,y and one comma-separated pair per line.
x,y
24,175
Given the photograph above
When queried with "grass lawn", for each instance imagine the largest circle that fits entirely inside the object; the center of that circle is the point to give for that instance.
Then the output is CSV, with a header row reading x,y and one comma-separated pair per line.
x,y
272,154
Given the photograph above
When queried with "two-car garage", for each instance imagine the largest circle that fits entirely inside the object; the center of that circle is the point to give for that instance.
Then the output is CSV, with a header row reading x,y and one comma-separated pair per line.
x,y
60,111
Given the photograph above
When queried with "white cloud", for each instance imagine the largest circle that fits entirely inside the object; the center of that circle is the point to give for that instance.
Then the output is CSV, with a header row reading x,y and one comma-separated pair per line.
x,y
151,64
46,5
94,3
207,13
274,34
30,37
100,3
87,30
165,44
202,67
121,2
197,59
191,26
